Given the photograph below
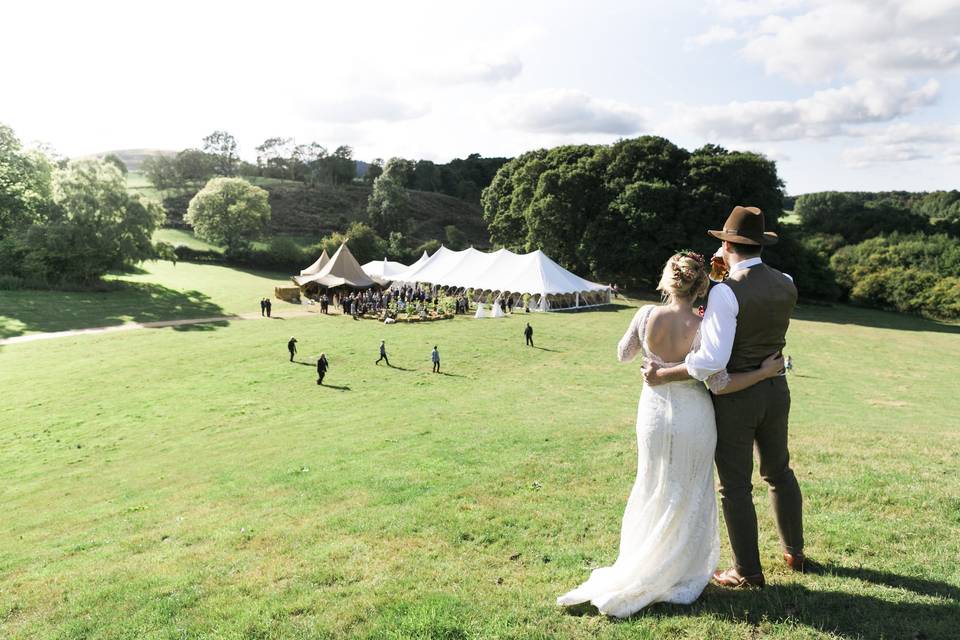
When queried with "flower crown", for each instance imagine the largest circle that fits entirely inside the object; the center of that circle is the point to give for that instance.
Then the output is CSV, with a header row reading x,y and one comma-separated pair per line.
x,y
679,275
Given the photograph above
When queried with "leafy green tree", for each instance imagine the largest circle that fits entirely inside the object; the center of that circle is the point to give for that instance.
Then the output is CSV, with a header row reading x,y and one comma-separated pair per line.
x,y
275,158
456,239
97,225
223,147
619,211
161,171
25,184
364,243
374,170
856,217
343,169
386,202
194,165
397,247
230,212
115,160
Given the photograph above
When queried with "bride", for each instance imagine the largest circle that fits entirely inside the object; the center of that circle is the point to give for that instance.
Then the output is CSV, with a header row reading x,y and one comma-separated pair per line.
x,y
669,544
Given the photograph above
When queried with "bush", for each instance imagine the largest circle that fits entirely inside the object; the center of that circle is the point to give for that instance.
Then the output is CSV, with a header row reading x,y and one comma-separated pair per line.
x,y
914,274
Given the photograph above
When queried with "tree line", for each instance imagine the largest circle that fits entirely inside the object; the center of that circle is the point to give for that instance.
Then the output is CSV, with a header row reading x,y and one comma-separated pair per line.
x,y
619,211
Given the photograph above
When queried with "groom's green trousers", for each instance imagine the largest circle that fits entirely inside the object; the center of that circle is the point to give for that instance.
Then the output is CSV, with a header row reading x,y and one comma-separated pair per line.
x,y
756,416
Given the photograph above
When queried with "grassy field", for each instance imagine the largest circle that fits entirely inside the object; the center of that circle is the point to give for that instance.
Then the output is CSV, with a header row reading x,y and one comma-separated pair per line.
x,y
196,484
161,291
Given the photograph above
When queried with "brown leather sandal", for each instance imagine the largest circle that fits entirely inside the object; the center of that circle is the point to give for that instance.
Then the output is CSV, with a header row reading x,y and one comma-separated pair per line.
x,y
732,579
801,563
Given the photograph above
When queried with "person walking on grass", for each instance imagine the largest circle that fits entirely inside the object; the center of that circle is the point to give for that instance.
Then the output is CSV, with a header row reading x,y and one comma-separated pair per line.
x,y
292,348
528,332
322,366
383,353
268,305
263,306
435,358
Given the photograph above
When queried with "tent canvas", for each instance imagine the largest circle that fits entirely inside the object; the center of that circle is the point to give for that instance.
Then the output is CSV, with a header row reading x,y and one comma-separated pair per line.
x,y
342,269
383,271
529,273
317,266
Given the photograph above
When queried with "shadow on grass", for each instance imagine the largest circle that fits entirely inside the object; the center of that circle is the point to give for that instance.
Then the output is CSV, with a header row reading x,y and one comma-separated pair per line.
x,y
849,615
847,314
333,386
545,349
46,311
451,375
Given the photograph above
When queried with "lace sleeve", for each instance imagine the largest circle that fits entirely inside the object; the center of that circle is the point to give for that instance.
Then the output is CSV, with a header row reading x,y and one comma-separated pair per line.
x,y
718,381
631,344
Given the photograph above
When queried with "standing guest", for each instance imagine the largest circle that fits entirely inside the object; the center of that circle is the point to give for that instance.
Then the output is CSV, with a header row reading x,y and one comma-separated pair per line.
x,y
268,305
788,365
292,348
528,332
435,358
383,353
322,366
263,306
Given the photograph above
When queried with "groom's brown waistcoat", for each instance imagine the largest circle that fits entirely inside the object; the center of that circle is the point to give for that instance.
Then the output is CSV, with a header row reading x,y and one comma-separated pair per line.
x,y
766,298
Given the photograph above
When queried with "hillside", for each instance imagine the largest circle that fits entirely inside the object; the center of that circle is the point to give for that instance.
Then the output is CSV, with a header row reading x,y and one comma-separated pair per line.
x,y
133,158
318,211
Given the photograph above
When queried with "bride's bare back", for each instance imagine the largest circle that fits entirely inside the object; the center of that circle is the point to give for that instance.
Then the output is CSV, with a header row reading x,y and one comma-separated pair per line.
x,y
671,331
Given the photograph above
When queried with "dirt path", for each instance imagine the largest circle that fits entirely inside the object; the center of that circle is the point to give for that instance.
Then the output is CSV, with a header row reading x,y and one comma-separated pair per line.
x,y
30,337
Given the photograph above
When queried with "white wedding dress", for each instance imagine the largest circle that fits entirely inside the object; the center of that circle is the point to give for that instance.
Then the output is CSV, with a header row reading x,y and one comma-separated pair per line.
x,y
669,543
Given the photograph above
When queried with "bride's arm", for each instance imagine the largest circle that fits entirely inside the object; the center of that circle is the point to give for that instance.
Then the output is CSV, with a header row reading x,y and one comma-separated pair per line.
x,y
722,383
629,346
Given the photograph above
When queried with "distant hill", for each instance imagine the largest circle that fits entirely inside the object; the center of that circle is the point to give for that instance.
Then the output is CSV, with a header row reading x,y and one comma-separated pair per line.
x,y
133,158
318,211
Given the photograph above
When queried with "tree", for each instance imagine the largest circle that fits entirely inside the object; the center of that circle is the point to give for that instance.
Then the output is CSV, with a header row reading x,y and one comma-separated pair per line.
x,y
364,243
342,167
456,239
161,171
230,212
306,161
96,226
374,170
856,217
275,158
115,160
223,147
386,203
619,211
194,165
25,184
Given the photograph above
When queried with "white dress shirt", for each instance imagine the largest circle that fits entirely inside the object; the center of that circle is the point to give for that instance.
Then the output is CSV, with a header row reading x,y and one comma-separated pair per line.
x,y
718,329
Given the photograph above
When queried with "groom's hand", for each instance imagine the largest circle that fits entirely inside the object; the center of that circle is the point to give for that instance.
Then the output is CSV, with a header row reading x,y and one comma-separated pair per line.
x,y
650,376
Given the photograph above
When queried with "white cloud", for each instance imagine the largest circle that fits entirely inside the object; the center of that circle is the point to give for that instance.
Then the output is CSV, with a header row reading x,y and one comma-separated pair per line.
x,y
567,111
826,113
714,35
734,9
352,109
858,38
491,71
904,143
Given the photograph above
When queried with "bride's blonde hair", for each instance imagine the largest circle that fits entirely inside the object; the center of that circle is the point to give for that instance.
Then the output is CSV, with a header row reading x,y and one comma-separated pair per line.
x,y
686,275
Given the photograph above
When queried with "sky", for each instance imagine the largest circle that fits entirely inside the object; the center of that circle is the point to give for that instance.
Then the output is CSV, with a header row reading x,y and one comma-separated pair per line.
x,y
842,94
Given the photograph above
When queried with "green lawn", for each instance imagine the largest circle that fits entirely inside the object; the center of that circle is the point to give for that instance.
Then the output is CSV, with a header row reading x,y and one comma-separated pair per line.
x,y
183,238
163,291
196,484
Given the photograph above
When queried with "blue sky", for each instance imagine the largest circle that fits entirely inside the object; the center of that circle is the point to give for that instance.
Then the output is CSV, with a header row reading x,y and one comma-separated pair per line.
x,y
848,94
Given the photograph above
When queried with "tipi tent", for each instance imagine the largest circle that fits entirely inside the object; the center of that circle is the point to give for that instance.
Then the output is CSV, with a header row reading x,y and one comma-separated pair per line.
x,y
383,271
341,270
315,268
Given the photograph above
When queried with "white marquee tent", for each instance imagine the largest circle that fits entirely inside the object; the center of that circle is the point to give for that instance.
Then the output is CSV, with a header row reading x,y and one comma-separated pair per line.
x,y
383,271
315,268
503,271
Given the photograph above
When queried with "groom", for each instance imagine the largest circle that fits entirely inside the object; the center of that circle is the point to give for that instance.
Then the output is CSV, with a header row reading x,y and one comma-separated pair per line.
x,y
746,321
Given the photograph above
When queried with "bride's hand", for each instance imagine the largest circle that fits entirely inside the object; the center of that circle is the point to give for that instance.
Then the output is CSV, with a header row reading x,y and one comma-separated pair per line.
x,y
650,374
773,365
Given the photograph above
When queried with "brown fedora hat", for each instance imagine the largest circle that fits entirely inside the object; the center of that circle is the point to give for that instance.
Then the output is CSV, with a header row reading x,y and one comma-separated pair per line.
x,y
744,225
